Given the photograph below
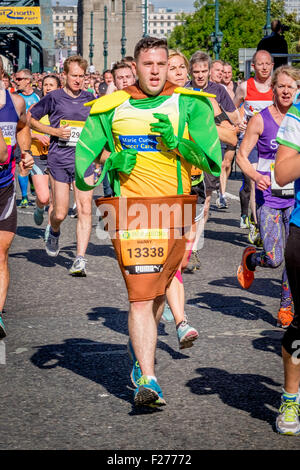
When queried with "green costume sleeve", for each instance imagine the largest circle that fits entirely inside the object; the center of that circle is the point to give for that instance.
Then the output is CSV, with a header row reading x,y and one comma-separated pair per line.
x,y
96,135
90,144
204,150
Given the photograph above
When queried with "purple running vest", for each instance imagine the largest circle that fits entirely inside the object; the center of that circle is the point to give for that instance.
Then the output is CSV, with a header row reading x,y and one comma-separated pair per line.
x,y
267,148
8,124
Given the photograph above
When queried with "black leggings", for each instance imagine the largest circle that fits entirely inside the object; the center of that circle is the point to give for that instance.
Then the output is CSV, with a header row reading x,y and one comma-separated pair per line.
x,y
292,263
245,195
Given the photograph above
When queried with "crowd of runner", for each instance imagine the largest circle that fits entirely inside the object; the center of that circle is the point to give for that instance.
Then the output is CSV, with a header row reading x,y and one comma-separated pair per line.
x,y
157,130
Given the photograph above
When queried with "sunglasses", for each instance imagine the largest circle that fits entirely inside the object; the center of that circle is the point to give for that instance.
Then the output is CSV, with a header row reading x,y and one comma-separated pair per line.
x,y
19,79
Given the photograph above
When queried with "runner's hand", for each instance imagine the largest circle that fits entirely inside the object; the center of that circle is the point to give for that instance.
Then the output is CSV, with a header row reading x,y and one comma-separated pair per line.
x,y
43,138
64,132
263,182
26,163
123,161
165,129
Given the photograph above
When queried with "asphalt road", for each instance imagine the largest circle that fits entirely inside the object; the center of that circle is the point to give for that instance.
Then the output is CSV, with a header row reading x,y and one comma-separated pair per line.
x,y
64,372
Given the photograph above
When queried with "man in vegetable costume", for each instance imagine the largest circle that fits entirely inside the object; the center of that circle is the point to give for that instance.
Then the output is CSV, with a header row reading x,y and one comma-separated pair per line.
x,y
148,136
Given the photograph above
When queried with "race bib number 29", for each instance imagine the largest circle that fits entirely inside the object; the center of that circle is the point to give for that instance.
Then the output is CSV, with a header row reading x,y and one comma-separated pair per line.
x,y
76,128
144,251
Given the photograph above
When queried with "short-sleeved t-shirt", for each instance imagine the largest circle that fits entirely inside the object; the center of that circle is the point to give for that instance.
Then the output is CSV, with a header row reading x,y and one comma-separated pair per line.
x,y
289,135
63,108
222,95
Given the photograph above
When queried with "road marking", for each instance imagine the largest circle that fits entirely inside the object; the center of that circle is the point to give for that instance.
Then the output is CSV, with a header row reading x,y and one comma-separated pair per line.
x,y
106,353
232,196
256,333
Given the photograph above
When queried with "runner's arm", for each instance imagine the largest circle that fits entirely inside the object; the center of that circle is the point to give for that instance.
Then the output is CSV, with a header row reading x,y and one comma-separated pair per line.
x,y
226,131
287,165
3,149
203,150
240,94
252,134
60,132
23,131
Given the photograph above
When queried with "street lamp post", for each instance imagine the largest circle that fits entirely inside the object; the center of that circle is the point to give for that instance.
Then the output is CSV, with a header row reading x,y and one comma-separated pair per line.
x,y
105,42
91,45
217,35
123,39
267,27
145,18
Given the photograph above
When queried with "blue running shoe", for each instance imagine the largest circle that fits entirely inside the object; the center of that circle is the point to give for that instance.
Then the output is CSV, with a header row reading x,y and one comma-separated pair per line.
x,y
38,215
148,393
167,314
136,372
2,329
186,335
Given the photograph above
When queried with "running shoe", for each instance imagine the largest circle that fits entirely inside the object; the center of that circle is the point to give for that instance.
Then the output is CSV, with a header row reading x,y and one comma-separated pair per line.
x,y
244,222
136,372
259,243
194,262
47,231
186,335
73,214
287,421
38,216
244,275
2,329
167,314
221,202
285,316
148,393
52,245
24,203
78,267
254,234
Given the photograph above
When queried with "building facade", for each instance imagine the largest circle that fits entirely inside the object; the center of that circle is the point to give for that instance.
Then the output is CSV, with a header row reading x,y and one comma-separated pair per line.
x,y
162,22
292,5
65,32
99,36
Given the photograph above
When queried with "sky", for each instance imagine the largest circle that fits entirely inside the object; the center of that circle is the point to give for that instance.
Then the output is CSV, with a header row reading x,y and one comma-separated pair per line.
x,y
175,5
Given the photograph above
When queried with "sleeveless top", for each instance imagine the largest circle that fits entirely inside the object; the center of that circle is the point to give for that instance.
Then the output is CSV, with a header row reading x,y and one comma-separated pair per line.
x,y
255,101
8,124
267,148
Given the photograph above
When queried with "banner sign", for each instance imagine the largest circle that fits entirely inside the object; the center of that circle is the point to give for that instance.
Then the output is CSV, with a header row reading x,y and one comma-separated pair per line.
x,y
20,15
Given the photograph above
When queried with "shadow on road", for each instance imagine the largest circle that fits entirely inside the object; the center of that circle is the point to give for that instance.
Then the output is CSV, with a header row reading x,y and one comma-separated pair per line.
x,y
33,233
262,286
235,238
92,360
41,258
105,364
247,392
269,341
117,320
236,306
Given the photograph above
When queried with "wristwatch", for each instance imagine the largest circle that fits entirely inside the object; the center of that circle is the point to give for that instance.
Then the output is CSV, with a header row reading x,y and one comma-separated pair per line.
x,y
28,151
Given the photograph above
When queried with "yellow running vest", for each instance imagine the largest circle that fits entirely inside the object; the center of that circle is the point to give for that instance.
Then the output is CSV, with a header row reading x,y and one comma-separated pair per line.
x,y
155,172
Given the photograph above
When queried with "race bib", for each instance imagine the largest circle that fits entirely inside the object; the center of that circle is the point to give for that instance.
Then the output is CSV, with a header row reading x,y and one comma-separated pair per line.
x,y
285,192
144,251
76,128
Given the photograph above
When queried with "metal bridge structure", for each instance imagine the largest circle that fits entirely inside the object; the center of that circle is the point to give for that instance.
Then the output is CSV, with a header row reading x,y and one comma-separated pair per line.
x,y
27,46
